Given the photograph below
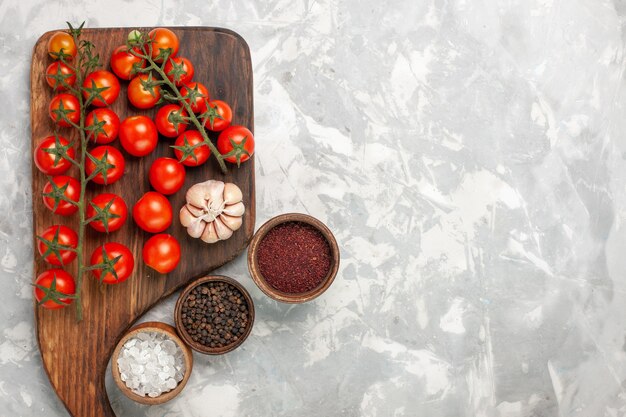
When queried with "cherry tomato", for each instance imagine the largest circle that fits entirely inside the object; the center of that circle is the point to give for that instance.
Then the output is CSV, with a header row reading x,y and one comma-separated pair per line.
x,y
57,240
124,64
163,38
138,135
62,185
153,212
179,70
105,157
102,79
198,96
62,43
117,207
236,143
52,288
167,175
188,150
115,271
49,158
162,253
169,120
110,128
141,96
219,115
60,69
64,103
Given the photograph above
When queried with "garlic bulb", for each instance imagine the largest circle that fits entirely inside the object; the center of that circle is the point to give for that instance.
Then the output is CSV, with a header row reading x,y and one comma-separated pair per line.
x,y
213,211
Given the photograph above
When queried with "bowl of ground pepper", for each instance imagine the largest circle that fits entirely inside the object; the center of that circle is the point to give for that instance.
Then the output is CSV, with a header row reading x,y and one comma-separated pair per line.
x,y
214,314
293,258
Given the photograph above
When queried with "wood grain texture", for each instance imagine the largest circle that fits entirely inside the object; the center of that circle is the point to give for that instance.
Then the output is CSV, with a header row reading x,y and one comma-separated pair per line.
x,y
75,355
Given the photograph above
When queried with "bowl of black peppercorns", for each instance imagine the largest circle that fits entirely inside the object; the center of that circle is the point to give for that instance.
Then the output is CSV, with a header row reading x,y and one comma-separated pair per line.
x,y
214,314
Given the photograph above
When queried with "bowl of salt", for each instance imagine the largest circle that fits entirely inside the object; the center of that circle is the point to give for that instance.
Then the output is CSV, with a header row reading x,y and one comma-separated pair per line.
x,y
151,364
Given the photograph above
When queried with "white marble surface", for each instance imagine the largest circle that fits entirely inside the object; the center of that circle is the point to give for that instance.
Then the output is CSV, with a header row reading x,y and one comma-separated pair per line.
x,y
470,156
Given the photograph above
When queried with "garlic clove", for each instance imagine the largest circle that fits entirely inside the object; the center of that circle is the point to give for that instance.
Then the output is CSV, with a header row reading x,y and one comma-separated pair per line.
x,y
223,232
195,229
209,235
196,195
232,194
235,209
233,223
186,217
197,212
215,194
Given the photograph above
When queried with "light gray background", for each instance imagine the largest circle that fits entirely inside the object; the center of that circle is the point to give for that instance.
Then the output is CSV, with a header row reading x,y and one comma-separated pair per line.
x,y
470,157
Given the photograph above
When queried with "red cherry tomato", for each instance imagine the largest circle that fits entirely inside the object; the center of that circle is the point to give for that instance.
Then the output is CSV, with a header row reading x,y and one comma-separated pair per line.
x,y
102,79
162,253
124,64
163,38
220,115
187,150
106,254
58,240
200,96
141,96
167,175
105,156
63,186
153,212
110,128
60,69
48,157
64,103
117,207
138,135
236,143
169,120
62,44
52,288
179,70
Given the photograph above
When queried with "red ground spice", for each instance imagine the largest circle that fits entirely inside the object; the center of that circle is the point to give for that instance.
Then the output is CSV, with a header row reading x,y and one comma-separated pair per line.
x,y
294,257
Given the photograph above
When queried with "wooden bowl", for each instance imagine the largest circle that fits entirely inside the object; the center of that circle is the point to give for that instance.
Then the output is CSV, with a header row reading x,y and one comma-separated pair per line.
x,y
272,292
198,347
156,327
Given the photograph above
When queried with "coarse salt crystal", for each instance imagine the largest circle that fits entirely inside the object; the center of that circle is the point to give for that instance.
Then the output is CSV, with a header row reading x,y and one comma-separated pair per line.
x,y
151,363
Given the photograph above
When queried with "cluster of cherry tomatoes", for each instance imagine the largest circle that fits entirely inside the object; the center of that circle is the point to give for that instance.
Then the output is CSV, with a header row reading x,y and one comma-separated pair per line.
x,y
138,135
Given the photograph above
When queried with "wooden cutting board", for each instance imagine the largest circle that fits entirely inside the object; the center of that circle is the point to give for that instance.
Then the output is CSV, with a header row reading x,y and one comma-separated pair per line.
x,y
75,355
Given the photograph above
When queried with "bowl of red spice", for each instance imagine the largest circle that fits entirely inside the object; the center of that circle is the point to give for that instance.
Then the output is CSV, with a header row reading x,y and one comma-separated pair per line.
x,y
214,314
293,258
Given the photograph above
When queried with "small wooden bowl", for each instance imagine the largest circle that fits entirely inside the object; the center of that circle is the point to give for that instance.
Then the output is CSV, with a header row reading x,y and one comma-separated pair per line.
x,y
156,327
180,327
272,292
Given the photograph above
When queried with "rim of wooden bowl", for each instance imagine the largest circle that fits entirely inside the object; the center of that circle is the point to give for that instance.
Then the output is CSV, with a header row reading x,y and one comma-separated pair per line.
x,y
259,279
157,327
198,347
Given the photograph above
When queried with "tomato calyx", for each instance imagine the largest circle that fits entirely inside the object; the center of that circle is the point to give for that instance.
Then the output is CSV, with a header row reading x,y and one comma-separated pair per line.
x,y
60,77
51,293
149,84
238,150
53,247
60,151
96,128
61,113
107,265
163,55
193,94
210,114
57,194
176,118
103,215
93,93
187,149
102,166
177,71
